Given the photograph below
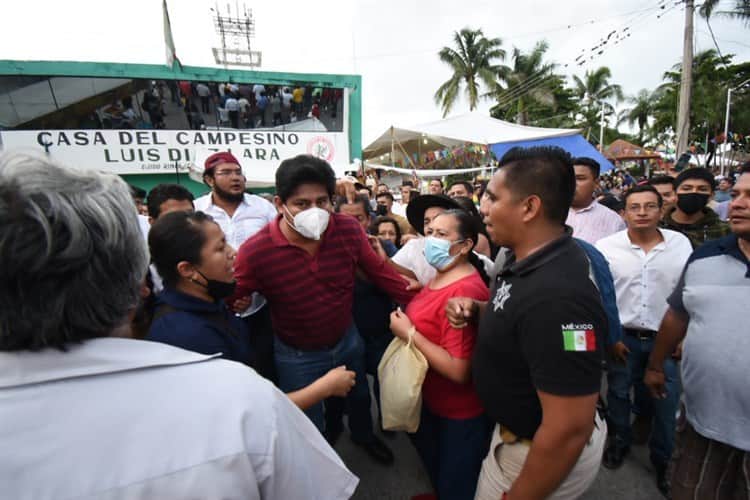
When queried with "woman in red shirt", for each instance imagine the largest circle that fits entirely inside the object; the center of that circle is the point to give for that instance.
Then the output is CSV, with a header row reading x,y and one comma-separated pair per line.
x,y
453,434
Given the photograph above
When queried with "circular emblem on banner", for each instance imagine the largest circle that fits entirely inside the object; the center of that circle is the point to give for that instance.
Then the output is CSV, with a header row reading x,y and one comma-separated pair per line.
x,y
321,147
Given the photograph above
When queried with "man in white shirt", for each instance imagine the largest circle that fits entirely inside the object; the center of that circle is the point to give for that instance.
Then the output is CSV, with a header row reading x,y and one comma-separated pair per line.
x,y
590,220
240,216
204,92
85,415
646,263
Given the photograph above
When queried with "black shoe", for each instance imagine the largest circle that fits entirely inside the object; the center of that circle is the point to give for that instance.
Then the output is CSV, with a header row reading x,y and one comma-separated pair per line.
x,y
378,451
614,456
661,480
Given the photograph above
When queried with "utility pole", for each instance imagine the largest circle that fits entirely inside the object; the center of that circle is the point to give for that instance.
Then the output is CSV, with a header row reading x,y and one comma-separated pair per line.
x,y
686,83
601,131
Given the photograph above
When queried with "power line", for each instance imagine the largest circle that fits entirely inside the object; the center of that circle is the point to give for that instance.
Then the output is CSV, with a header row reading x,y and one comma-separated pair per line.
x,y
535,82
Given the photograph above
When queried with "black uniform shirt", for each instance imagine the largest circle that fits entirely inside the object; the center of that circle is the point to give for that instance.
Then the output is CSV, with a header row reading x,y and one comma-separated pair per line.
x,y
542,329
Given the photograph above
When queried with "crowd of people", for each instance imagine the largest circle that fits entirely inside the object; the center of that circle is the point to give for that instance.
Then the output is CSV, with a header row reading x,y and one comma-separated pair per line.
x,y
125,338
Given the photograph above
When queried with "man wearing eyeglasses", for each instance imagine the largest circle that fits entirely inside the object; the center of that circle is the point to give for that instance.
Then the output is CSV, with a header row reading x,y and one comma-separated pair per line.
x,y
646,263
240,216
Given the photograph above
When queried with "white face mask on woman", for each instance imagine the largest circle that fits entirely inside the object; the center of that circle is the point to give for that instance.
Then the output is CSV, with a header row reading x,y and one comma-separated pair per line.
x,y
310,223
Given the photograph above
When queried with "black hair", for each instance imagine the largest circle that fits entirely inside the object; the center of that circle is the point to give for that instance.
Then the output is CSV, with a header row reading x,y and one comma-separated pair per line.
x,y
544,171
358,199
164,192
413,195
612,202
137,192
304,169
592,164
386,194
439,180
745,168
696,173
468,229
383,219
407,183
658,180
175,237
644,188
469,187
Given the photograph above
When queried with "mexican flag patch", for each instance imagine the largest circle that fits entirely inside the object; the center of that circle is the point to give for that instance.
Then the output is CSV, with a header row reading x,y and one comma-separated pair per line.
x,y
579,337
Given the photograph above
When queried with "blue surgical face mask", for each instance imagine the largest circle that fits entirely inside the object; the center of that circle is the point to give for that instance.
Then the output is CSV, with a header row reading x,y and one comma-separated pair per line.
x,y
437,252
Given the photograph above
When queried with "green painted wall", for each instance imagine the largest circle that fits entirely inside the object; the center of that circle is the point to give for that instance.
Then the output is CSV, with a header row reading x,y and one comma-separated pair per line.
x,y
148,181
178,72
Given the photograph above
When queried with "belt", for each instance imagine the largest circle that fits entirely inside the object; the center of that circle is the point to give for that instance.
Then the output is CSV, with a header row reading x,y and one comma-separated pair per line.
x,y
640,334
509,438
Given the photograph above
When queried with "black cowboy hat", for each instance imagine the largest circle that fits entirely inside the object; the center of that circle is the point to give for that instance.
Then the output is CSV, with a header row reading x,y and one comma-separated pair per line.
x,y
415,209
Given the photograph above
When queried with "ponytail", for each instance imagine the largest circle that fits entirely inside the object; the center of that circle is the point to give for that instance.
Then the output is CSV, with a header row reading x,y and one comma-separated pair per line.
x,y
475,261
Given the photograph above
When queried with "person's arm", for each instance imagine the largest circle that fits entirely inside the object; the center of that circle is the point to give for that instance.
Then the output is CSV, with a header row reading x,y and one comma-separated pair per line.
x,y
244,274
382,274
380,251
456,369
672,331
337,382
566,427
605,283
565,368
464,310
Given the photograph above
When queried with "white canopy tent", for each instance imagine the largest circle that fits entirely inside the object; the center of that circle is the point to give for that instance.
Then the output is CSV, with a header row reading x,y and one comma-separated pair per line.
x,y
400,144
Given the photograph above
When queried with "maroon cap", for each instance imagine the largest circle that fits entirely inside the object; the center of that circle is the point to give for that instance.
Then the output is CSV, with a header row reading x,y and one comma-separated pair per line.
x,y
218,159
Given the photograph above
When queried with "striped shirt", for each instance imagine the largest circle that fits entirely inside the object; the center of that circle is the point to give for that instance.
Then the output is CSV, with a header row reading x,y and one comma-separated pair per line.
x,y
594,222
311,296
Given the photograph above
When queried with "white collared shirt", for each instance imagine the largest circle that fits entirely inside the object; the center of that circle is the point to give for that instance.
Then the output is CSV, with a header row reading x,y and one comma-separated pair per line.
x,y
643,281
594,222
119,418
252,214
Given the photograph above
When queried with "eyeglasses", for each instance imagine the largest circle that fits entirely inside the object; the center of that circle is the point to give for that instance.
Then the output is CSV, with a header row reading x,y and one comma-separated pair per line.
x,y
649,207
227,173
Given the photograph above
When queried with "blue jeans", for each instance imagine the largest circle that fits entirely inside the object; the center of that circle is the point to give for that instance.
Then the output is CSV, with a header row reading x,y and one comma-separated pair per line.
x,y
297,369
622,377
452,452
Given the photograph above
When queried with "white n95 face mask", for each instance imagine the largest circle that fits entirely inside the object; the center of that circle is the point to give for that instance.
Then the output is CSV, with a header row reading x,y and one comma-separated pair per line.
x,y
310,223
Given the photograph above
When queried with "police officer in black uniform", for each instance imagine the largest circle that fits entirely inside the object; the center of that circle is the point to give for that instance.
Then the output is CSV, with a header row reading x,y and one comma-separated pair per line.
x,y
537,364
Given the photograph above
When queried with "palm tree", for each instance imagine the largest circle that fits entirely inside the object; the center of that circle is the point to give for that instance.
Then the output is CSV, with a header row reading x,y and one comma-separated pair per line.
x,y
473,59
530,81
644,105
593,91
740,10
595,86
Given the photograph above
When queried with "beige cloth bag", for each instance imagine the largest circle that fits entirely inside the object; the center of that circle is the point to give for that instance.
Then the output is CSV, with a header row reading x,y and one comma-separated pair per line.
x,y
401,372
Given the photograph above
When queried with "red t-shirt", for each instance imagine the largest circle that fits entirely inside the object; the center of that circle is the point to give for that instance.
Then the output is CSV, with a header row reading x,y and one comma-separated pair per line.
x,y
427,311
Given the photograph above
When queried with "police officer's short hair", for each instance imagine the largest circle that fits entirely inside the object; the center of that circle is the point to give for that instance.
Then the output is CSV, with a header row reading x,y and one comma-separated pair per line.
x,y
544,171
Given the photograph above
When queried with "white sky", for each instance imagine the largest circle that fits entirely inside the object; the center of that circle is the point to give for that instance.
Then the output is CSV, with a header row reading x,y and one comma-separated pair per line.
x,y
392,44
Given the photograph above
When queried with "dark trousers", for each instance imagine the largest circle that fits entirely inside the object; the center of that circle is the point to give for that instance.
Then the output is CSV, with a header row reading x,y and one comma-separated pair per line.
x,y
452,452
261,341
204,103
336,407
621,378
298,369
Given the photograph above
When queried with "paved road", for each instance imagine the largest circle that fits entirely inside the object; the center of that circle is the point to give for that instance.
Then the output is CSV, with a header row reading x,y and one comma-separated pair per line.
x,y
635,480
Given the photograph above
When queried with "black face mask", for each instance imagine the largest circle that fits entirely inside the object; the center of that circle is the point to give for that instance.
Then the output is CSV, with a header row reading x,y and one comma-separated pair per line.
x,y
691,203
217,289
381,210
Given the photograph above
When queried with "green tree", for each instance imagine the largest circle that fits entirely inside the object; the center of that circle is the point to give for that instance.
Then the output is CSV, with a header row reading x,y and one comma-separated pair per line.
x,y
529,83
595,91
472,59
642,109
737,9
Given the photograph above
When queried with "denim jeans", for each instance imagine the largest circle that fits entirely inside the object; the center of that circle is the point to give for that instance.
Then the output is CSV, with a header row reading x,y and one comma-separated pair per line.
x,y
452,452
297,369
622,377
